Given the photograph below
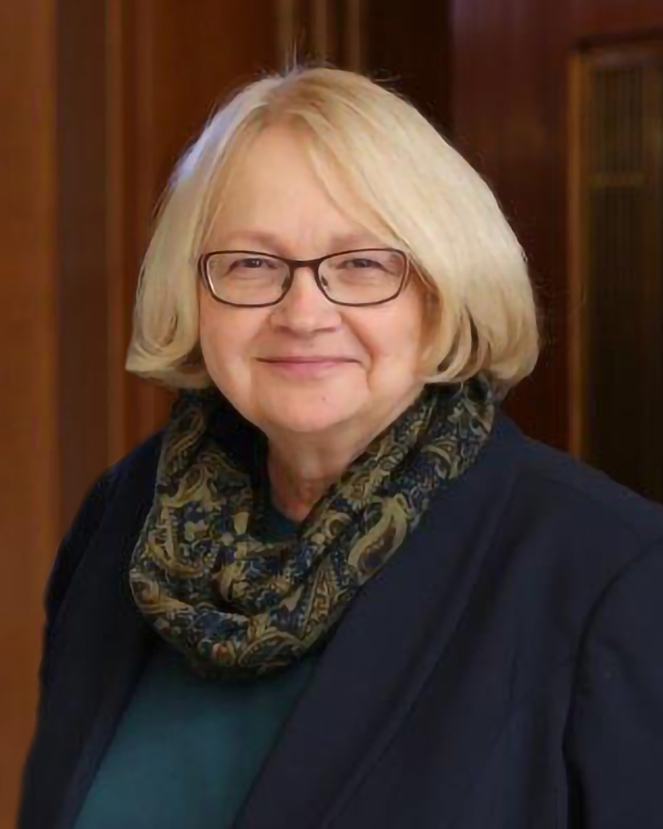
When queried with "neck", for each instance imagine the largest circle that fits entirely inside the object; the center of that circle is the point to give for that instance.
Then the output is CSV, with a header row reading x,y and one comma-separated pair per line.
x,y
302,467
299,478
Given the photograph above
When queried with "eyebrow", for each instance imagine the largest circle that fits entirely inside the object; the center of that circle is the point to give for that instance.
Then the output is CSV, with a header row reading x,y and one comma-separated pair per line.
x,y
342,241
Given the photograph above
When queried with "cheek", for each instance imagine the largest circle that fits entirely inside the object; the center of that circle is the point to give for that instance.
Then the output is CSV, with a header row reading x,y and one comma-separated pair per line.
x,y
396,341
219,339
225,337
211,337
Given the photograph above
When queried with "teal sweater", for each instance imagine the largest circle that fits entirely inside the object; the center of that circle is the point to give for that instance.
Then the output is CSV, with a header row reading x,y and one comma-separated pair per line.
x,y
188,749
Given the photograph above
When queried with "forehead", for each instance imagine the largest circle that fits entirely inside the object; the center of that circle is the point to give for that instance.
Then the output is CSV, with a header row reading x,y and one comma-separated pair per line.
x,y
278,160
275,192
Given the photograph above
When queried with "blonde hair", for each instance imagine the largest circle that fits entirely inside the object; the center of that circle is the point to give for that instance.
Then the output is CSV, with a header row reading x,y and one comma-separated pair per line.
x,y
415,191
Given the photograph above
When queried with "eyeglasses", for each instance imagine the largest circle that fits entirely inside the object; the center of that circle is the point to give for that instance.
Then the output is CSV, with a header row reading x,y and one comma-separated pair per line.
x,y
252,279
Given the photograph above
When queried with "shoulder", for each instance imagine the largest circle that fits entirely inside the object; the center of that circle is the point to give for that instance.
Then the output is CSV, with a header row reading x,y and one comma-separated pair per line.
x,y
576,562
562,531
573,495
130,480
138,465
123,488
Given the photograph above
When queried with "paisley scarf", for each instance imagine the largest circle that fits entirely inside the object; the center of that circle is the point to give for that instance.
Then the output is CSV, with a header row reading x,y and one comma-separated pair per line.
x,y
239,606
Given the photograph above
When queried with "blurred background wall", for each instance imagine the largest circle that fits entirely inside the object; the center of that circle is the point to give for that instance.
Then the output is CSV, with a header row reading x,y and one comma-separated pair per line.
x,y
559,103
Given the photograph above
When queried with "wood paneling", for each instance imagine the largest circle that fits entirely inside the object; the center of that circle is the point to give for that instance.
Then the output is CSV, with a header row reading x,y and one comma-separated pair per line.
x,y
29,489
411,44
509,117
325,30
407,45
82,248
593,19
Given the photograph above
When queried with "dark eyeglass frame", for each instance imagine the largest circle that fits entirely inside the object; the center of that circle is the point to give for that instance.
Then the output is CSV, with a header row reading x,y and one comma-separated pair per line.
x,y
293,265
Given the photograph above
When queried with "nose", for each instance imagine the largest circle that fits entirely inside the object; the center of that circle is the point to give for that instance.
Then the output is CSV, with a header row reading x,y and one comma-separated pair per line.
x,y
305,309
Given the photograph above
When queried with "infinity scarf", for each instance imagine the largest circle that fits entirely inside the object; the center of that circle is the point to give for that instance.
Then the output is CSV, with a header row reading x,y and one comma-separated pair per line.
x,y
241,607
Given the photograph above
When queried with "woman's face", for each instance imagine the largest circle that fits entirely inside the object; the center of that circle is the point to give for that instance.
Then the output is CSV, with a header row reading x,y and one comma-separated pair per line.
x,y
371,366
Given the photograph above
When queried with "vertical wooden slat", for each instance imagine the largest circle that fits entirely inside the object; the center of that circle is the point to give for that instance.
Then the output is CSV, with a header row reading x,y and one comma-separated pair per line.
x,y
321,36
82,378
150,408
117,195
286,17
577,257
355,35
653,292
28,372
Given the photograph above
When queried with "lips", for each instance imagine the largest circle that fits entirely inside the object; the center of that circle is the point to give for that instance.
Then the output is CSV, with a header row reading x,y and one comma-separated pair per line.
x,y
306,368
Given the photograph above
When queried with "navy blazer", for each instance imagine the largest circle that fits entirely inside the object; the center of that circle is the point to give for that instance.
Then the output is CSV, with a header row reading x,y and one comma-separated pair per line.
x,y
503,671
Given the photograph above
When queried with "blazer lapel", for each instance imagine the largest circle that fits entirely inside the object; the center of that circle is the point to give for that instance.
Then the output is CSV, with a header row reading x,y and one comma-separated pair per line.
x,y
119,642
97,656
394,633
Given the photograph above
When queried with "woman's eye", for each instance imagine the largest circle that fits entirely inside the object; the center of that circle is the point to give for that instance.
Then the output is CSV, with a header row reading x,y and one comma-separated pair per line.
x,y
252,263
362,263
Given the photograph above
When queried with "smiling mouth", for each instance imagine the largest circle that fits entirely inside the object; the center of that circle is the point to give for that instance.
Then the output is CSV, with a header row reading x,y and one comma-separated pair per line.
x,y
306,366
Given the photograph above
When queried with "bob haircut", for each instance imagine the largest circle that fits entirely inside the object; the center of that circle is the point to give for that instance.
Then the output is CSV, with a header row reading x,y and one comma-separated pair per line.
x,y
414,192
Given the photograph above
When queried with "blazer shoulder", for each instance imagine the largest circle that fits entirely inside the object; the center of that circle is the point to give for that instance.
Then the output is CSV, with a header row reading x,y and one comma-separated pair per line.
x,y
130,479
591,496
141,461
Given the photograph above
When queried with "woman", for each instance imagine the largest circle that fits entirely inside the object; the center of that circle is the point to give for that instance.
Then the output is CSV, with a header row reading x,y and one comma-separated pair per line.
x,y
340,588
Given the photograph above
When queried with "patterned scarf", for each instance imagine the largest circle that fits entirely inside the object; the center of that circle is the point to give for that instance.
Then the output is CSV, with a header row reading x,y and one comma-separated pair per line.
x,y
239,606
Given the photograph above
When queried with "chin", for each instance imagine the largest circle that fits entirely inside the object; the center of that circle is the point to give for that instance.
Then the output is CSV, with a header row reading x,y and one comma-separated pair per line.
x,y
307,420
307,425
